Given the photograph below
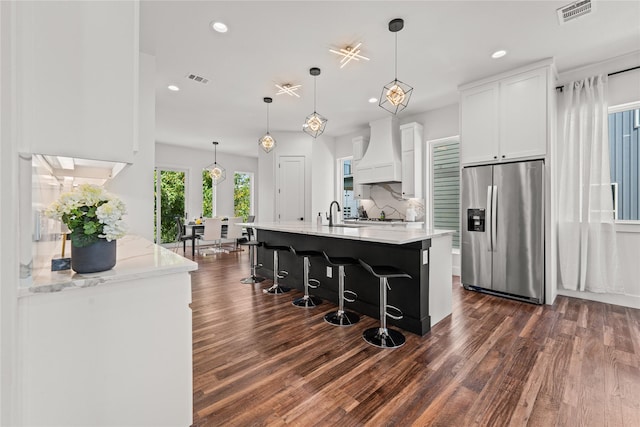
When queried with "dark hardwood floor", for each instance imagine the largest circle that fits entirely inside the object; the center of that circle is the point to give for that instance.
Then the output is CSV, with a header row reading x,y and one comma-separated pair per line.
x,y
258,360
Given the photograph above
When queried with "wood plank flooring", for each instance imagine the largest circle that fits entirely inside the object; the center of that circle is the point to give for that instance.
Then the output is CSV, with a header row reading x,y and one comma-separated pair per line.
x,y
258,360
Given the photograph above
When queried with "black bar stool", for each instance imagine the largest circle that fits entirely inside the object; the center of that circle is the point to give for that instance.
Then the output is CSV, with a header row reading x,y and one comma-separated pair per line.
x,y
277,274
252,260
341,317
307,300
383,337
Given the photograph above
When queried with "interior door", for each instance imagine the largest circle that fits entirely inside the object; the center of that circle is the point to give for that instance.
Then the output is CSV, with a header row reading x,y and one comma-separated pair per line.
x,y
475,213
291,189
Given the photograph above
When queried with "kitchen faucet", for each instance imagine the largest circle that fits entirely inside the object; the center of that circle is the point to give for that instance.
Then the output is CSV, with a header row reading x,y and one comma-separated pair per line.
x,y
331,212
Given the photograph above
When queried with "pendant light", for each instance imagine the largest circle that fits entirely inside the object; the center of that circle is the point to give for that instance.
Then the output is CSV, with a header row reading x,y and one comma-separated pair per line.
x,y
267,142
216,172
315,123
395,94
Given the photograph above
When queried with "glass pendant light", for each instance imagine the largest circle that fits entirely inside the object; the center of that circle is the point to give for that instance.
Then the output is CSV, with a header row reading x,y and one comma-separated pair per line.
x,y
395,94
216,171
267,142
315,123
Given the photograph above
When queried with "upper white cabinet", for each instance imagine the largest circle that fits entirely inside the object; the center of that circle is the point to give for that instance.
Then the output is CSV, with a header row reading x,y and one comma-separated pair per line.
x,y
506,118
360,191
78,78
412,170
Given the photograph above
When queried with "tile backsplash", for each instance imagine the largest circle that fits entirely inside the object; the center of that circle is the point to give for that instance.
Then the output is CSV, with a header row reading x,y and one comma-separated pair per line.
x,y
388,198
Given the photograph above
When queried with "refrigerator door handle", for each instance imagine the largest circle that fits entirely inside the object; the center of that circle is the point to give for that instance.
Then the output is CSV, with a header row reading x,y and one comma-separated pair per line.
x,y
494,217
489,220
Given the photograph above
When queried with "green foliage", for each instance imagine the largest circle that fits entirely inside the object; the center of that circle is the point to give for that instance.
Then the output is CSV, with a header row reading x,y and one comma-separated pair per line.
x,y
207,194
172,203
242,195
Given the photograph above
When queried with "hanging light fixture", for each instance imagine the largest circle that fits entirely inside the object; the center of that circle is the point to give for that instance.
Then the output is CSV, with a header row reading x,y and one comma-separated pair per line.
x,y
216,172
267,142
315,123
395,95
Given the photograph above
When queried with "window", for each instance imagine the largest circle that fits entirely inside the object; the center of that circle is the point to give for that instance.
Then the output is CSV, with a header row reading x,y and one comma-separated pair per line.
x,y
349,203
242,194
624,152
444,161
207,194
170,204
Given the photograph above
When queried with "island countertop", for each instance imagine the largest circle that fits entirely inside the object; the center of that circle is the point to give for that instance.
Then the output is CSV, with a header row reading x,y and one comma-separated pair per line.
x,y
412,232
136,257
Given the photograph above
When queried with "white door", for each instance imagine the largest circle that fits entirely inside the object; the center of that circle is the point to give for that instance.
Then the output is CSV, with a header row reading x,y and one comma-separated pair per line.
x,y
291,189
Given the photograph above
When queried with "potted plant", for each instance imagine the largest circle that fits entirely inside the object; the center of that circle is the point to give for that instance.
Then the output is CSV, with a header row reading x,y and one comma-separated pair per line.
x,y
94,218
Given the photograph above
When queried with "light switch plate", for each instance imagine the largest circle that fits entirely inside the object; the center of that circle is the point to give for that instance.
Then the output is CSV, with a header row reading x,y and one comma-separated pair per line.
x,y
425,257
329,272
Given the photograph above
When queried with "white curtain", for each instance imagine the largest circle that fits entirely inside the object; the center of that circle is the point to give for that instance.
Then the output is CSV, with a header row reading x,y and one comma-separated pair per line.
x,y
586,233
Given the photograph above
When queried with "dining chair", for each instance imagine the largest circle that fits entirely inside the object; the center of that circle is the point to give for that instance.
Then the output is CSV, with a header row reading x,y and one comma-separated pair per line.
x,y
212,233
234,231
181,237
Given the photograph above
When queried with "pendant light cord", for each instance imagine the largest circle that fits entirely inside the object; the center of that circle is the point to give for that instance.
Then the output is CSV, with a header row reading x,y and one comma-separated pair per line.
x,y
267,118
396,62
315,93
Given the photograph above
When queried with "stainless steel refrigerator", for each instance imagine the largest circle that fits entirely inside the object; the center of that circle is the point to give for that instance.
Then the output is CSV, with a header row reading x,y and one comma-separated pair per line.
x,y
502,209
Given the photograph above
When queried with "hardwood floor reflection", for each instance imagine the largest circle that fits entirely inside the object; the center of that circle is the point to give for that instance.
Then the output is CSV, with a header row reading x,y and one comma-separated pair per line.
x,y
259,360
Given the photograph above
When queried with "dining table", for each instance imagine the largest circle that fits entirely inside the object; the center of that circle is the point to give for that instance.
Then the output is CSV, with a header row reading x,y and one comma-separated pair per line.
x,y
196,230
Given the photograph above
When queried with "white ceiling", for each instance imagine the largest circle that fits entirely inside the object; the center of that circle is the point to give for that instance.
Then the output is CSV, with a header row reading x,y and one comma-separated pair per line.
x,y
443,44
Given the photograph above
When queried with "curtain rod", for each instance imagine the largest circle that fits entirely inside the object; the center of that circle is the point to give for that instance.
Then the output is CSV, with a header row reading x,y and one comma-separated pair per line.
x,y
560,88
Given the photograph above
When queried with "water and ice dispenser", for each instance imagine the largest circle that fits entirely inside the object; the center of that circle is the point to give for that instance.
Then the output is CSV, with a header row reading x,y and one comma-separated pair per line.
x,y
475,219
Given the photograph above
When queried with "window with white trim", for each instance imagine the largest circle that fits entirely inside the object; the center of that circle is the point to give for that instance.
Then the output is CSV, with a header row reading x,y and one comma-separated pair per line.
x,y
624,152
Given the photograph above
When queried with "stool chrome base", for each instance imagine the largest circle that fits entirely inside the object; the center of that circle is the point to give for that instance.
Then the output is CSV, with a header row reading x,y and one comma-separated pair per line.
x,y
345,318
276,290
382,338
307,301
251,280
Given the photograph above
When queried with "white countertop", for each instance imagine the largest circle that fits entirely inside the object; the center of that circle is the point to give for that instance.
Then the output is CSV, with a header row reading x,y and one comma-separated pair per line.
x,y
412,232
135,258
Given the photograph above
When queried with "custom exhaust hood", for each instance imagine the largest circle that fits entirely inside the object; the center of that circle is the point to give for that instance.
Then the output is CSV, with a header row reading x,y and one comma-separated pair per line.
x,y
381,162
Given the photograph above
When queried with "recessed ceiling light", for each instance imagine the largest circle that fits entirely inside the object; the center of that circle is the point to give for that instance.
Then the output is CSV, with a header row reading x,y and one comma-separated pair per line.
x,y
372,100
219,27
173,88
498,54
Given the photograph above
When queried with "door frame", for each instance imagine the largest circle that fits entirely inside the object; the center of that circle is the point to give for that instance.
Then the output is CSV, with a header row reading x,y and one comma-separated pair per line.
x,y
304,186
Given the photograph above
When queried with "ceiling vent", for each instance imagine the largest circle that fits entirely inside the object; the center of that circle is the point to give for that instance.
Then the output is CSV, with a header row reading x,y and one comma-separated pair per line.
x,y
574,10
197,78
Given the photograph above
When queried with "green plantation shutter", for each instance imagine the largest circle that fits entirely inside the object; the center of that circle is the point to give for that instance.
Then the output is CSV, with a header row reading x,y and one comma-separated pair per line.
x,y
446,188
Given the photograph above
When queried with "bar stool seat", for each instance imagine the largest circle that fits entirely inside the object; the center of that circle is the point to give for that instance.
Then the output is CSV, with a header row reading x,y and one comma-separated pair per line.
x,y
381,336
276,289
252,244
307,301
342,317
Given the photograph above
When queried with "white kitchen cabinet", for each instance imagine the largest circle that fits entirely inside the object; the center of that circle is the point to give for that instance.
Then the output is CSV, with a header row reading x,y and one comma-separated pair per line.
x,y
78,78
506,118
360,191
412,168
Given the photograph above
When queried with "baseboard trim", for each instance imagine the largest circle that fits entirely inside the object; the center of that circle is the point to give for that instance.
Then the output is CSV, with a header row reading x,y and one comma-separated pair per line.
x,y
616,299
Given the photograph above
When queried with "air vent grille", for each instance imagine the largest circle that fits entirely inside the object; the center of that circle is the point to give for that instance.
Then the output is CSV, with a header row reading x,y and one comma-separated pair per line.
x,y
574,10
197,78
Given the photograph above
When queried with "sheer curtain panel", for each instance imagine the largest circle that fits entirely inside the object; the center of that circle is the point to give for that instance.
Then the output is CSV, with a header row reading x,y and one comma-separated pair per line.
x,y
586,232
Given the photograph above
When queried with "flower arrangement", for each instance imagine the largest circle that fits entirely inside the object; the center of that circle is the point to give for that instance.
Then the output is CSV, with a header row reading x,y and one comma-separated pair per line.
x,y
91,213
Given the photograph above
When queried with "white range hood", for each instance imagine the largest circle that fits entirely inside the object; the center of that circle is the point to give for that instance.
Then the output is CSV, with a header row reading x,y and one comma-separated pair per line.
x,y
381,163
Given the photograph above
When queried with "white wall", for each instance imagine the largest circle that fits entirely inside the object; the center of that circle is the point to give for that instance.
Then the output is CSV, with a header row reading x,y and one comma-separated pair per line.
x,y
319,157
8,216
135,183
623,88
193,161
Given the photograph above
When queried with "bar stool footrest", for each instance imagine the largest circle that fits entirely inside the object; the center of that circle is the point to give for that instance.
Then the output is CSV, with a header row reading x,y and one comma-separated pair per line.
x,y
393,316
383,338
350,298
346,318
313,283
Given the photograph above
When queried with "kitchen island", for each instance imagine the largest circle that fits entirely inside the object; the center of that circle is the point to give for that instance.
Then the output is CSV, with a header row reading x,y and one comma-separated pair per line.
x,y
108,348
425,299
